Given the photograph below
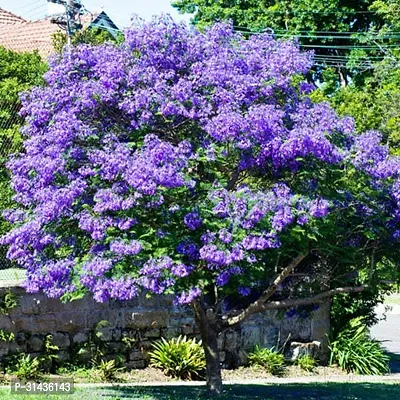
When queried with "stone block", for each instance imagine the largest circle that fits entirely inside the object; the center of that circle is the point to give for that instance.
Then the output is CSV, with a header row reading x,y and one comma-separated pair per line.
x,y
64,355
231,338
250,336
269,336
187,330
115,348
170,333
220,341
20,338
144,345
71,322
80,337
298,329
6,323
147,319
139,364
14,347
61,340
49,305
115,318
118,304
148,301
24,324
105,333
165,301
136,355
298,349
4,349
45,323
153,333
31,303
35,343
242,357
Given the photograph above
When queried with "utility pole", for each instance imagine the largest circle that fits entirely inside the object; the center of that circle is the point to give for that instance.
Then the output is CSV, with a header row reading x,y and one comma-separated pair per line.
x,y
69,14
68,19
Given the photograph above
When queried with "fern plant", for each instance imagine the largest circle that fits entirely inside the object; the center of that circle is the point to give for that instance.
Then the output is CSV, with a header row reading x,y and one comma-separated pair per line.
x,y
49,360
108,370
354,351
269,359
180,357
306,363
27,368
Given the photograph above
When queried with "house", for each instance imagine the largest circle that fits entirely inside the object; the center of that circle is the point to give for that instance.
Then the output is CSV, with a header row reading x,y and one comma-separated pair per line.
x,y
21,35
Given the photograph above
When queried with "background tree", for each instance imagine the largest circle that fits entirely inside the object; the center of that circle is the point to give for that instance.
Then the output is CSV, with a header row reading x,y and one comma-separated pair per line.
x,y
331,28
196,164
94,36
18,72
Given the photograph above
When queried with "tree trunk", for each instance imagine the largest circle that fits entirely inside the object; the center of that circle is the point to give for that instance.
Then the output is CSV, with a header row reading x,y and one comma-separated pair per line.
x,y
209,335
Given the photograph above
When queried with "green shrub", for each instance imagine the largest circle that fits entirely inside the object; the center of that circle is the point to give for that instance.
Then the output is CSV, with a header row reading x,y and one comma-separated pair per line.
x,y
269,359
108,370
354,351
180,358
306,363
27,368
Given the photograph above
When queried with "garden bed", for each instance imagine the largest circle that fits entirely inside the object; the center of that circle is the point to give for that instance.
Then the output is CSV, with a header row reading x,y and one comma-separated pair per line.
x,y
153,375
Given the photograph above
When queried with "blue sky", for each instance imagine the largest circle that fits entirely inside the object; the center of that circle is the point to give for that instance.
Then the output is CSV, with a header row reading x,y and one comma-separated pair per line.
x,y
119,10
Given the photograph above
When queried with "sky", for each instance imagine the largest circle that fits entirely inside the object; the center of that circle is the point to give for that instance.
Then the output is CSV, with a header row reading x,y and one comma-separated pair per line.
x,y
119,10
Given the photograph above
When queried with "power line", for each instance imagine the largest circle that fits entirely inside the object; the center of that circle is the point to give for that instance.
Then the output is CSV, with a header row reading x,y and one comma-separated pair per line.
x,y
346,47
352,37
328,12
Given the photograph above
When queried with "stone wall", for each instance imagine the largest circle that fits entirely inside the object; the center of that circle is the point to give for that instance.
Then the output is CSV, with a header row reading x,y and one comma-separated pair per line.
x,y
134,325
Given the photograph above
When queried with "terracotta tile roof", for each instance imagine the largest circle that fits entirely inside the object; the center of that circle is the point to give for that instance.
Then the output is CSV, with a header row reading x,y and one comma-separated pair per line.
x,y
7,18
29,36
35,35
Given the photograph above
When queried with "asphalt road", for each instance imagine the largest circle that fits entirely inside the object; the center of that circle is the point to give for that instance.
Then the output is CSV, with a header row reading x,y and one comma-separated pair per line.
x,y
387,331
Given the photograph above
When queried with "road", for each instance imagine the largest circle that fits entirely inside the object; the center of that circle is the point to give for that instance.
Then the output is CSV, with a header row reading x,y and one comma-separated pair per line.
x,y
388,332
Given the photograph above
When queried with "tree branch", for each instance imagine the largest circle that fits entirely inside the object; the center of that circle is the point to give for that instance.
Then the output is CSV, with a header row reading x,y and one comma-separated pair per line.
x,y
274,305
232,182
259,304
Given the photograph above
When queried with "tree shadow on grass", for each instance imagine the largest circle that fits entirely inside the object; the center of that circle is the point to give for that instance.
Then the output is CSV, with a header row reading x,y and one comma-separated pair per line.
x,y
394,363
329,391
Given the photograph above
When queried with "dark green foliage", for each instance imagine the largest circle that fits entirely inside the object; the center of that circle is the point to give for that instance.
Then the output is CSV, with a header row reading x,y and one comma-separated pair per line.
x,y
94,36
6,336
27,367
18,72
306,363
7,302
269,359
329,27
108,370
354,351
179,357
346,307
93,351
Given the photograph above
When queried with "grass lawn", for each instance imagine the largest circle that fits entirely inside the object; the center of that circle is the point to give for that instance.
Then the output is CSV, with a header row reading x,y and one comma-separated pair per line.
x,y
329,391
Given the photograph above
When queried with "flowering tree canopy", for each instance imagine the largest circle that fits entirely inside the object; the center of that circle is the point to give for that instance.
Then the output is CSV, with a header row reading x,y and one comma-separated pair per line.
x,y
195,164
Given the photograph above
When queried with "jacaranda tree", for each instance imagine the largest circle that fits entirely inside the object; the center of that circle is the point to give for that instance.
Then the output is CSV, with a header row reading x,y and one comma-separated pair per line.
x,y
194,164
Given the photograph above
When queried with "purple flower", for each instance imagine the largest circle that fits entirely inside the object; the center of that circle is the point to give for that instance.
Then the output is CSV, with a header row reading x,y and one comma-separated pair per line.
x,y
193,221
188,296
128,249
182,270
319,208
225,236
244,291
